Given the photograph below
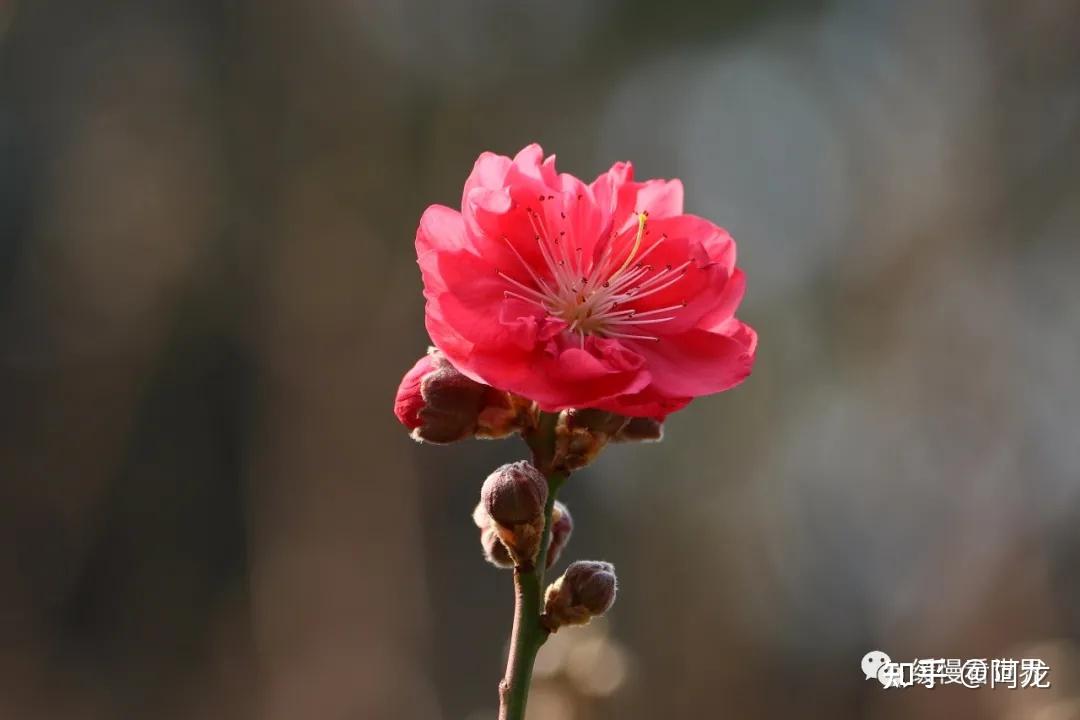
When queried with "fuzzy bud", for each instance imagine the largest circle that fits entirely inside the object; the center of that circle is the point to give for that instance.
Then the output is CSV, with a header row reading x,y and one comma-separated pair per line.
x,y
580,435
515,493
514,497
562,525
495,551
641,429
586,590
440,405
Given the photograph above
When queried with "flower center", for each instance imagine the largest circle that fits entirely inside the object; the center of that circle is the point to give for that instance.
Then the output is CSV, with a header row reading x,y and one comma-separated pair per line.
x,y
596,296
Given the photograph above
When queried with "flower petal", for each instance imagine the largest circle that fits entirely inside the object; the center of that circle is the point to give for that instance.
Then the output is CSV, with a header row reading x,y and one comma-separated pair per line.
x,y
489,171
649,402
699,362
575,377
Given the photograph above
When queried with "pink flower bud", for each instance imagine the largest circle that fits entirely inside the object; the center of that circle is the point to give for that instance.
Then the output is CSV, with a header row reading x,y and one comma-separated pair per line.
x,y
515,494
561,527
586,590
495,551
409,402
514,497
440,405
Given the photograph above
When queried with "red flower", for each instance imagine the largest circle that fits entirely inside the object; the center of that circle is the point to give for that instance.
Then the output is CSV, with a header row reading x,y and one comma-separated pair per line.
x,y
603,295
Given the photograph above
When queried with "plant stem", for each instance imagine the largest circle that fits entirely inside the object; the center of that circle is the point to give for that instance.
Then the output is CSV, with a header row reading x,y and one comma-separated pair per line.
x,y
528,634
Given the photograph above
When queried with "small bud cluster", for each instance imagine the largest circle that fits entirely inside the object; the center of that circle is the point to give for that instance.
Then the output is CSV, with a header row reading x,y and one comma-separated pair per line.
x,y
513,498
497,552
439,404
580,435
586,590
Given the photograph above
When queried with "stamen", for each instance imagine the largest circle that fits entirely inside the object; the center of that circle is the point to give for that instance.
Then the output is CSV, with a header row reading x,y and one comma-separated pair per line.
x,y
653,290
511,293
637,243
532,273
525,288
585,293
628,336
646,322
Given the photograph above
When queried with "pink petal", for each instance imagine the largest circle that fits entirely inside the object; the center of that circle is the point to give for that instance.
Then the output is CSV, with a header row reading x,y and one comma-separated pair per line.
x,y
659,198
649,402
699,362
441,230
488,172
579,378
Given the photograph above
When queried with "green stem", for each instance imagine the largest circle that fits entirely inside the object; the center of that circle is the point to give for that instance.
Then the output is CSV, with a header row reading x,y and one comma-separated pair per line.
x,y
528,634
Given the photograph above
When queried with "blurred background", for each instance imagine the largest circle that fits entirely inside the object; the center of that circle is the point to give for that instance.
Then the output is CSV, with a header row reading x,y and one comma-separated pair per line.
x,y
208,294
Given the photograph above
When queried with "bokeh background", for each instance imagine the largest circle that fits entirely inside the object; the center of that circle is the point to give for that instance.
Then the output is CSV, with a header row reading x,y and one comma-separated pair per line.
x,y
208,295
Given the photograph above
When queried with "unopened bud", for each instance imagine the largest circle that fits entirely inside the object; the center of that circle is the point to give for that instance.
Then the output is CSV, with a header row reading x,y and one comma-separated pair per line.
x,y
514,497
641,429
480,516
580,435
586,590
504,414
598,421
561,527
495,551
409,402
515,493
441,405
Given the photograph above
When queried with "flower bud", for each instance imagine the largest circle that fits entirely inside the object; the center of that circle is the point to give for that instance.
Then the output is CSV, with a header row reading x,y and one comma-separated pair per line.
x,y
495,551
580,435
514,497
514,494
409,402
440,405
586,590
641,429
561,527
480,516
504,414
597,421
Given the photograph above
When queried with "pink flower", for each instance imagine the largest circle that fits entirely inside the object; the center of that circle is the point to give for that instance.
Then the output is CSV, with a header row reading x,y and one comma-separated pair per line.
x,y
603,295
